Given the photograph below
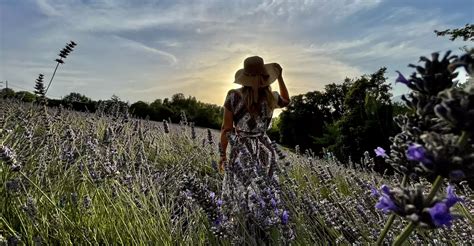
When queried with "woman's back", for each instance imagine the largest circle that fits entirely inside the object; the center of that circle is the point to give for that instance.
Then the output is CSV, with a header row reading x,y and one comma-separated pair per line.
x,y
246,121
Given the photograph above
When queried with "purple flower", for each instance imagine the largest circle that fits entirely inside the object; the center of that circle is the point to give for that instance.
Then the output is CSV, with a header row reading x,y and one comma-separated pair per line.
x,y
219,202
379,151
440,213
417,152
385,189
385,203
285,216
374,192
262,203
457,175
401,79
451,198
212,195
273,202
218,220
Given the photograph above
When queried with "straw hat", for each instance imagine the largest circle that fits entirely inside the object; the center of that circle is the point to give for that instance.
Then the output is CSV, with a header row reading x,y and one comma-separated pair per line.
x,y
253,67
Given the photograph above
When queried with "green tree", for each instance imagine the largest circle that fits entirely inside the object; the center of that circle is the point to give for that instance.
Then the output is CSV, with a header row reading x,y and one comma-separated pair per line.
x,y
76,97
25,96
304,120
335,94
309,120
7,93
140,109
367,121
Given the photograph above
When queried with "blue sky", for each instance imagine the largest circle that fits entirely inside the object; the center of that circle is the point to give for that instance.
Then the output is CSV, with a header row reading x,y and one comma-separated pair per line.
x,y
143,49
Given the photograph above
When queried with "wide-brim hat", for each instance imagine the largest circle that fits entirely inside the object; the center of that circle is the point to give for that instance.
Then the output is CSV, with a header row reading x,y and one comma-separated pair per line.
x,y
253,67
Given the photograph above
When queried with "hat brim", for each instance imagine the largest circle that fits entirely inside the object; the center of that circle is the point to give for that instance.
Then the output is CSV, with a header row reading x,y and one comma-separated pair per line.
x,y
247,80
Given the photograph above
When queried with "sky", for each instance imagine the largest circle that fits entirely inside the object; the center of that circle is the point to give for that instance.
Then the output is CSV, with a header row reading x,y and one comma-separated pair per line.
x,y
144,50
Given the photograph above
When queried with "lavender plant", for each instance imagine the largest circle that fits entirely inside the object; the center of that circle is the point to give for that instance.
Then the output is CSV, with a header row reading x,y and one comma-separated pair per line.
x,y
435,143
39,87
60,60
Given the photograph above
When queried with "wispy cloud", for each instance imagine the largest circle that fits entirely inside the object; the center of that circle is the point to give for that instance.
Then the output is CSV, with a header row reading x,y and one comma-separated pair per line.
x,y
46,8
147,49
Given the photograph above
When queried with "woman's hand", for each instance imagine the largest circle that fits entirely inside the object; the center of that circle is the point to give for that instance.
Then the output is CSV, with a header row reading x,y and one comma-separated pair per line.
x,y
222,164
280,69
283,91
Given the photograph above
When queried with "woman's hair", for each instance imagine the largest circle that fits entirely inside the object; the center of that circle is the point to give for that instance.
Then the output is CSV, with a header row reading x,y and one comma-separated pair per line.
x,y
264,94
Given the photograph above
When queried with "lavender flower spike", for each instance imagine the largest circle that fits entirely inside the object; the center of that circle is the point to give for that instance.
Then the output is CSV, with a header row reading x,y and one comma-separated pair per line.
x,y
401,79
285,216
385,203
451,198
440,212
379,151
417,152
374,192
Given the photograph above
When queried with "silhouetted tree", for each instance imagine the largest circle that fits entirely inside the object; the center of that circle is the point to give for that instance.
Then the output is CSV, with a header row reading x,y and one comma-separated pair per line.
x,y
25,96
367,121
140,109
76,97
7,93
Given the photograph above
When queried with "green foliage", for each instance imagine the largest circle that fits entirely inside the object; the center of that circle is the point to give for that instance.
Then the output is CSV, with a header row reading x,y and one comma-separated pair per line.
x,y
140,109
400,108
76,97
330,135
367,121
7,93
308,115
347,119
202,114
274,131
25,96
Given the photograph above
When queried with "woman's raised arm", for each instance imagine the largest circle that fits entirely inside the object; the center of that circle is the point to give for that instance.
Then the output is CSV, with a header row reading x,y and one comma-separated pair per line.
x,y
283,90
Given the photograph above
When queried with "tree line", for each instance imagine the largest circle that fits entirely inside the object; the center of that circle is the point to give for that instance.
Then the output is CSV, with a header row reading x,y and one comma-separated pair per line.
x,y
170,109
346,118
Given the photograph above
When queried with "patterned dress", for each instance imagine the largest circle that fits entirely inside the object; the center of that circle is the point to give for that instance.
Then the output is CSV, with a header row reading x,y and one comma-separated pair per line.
x,y
249,142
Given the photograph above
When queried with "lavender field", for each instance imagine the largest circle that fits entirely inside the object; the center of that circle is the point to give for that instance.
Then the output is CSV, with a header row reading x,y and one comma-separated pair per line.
x,y
78,178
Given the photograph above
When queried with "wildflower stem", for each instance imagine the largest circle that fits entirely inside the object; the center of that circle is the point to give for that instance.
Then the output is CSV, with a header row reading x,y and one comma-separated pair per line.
x,y
463,139
410,227
51,80
386,228
404,235
434,189
47,197
391,219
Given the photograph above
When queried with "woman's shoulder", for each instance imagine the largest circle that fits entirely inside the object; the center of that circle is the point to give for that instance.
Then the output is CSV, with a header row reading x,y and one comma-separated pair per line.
x,y
235,92
232,100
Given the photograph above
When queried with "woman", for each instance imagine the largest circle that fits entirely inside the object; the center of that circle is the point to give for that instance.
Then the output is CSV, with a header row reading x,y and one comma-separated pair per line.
x,y
248,112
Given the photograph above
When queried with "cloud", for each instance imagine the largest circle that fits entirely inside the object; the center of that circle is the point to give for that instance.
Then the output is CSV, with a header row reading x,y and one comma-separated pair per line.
x,y
142,50
147,49
46,8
